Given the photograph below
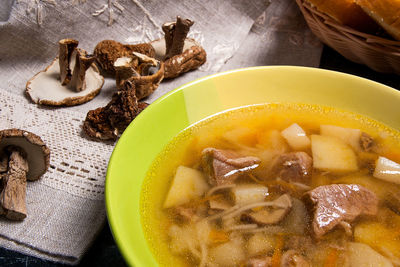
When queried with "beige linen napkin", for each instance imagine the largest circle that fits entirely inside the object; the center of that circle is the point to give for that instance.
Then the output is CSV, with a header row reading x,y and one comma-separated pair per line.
x,y
66,207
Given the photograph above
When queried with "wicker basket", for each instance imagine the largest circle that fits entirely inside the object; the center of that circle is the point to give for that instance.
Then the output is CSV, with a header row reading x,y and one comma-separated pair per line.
x,y
382,55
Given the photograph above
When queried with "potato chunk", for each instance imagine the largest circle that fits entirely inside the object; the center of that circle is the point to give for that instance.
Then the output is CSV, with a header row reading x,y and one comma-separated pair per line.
x,y
228,254
387,170
348,135
260,244
296,137
332,154
249,193
187,184
378,236
363,255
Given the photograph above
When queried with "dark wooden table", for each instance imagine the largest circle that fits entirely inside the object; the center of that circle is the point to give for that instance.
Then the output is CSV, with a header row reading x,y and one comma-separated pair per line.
x,y
104,251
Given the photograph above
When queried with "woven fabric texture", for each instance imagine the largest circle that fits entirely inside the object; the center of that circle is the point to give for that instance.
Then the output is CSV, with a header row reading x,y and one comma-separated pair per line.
x,y
66,206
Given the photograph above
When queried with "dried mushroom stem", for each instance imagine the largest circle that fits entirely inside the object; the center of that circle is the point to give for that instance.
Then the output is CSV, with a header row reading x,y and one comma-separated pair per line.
x,y
66,48
13,196
82,63
175,35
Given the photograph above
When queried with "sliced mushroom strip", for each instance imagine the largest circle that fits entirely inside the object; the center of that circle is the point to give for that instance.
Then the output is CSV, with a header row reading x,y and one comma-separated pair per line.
x,y
83,61
225,166
219,204
335,203
28,159
282,202
66,48
270,215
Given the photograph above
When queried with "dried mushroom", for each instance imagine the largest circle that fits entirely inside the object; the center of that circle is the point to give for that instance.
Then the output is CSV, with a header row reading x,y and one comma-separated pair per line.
x,y
28,158
148,76
66,48
83,61
108,51
106,123
138,70
175,35
180,54
71,79
144,72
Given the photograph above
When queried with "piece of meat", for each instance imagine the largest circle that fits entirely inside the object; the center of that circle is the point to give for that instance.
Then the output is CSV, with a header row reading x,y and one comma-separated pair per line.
x,y
225,166
335,203
292,258
293,167
367,143
259,262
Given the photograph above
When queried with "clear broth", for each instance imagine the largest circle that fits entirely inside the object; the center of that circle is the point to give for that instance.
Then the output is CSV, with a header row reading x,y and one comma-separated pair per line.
x,y
248,125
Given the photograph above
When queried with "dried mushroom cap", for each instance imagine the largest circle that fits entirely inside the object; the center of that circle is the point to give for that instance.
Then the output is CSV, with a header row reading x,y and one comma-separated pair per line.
x,y
124,68
108,51
36,151
106,123
146,84
45,88
145,78
192,57
145,59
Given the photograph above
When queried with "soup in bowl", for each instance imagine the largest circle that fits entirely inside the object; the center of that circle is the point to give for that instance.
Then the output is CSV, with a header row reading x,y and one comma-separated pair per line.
x,y
260,167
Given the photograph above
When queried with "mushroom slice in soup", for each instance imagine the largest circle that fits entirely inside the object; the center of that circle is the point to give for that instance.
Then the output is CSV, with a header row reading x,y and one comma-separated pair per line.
x,y
225,166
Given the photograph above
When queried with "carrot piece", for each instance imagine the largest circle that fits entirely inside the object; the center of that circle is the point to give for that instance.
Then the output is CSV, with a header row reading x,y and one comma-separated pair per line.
x,y
217,237
276,257
392,156
331,258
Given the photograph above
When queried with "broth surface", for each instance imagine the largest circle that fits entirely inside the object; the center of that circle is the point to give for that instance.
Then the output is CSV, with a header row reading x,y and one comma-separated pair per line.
x,y
257,132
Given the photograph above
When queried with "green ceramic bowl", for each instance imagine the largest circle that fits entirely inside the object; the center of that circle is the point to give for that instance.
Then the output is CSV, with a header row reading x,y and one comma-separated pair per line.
x,y
165,118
